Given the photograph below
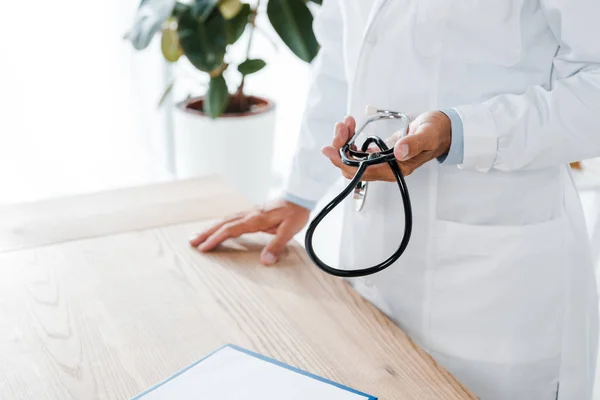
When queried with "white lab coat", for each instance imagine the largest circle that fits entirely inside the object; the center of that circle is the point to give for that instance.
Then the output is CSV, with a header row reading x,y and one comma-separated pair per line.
x,y
497,283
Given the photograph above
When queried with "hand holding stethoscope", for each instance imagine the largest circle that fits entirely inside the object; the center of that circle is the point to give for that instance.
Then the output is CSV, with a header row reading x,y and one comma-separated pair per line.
x,y
428,137
420,141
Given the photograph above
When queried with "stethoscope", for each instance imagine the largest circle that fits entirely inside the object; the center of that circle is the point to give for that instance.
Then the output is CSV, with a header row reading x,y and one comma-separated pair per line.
x,y
362,160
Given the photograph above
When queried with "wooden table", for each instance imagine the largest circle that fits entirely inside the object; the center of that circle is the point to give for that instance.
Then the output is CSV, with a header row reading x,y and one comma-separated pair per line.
x,y
101,297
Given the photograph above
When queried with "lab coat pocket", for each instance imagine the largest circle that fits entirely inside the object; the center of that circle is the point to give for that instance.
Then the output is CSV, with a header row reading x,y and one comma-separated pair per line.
x,y
475,31
498,292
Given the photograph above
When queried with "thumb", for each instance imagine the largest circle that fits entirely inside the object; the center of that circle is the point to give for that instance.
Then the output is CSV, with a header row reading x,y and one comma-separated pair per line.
x,y
275,248
411,145
330,152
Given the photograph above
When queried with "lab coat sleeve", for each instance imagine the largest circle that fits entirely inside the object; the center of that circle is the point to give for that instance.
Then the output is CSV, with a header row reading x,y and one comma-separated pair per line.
x,y
542,127
312,173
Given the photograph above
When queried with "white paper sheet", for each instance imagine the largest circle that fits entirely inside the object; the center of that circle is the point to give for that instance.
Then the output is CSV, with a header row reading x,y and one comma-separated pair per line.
x,y
232,374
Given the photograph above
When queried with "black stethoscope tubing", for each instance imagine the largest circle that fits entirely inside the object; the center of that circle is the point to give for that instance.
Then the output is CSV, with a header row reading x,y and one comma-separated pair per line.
x,y
362,160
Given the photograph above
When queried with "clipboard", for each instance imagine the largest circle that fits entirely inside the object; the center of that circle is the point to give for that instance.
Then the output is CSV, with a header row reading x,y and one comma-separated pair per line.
x,y
234,373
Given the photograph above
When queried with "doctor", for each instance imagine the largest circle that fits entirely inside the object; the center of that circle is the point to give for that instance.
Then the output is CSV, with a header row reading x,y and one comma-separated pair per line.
x,y
497,283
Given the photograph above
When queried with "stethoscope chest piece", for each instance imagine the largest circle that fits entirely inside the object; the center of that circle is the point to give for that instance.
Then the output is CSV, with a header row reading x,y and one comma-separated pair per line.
x,y
362,160
360,195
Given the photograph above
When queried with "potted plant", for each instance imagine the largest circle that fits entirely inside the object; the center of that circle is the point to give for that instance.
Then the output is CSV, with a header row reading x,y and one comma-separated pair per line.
x,y
225,123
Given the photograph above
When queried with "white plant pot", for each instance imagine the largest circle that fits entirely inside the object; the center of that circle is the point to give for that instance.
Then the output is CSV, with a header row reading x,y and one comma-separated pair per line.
x,y
237,147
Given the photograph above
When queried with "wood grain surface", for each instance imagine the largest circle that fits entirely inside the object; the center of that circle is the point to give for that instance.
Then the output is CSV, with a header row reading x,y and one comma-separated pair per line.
x,y
105,317
58,220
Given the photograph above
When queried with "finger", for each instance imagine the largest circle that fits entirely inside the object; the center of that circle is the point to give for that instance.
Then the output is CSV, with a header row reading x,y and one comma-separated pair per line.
x,y
412,127
392,140
271,231
350,122
373,148
396,136
202,236
401,150
348,174
342,135
334,156
228,231
412,145
272,252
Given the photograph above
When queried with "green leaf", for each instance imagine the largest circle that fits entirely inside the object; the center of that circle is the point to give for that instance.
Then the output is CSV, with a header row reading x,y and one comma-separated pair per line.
x,y
169,45
179,9
203,44
148,19
217,97
251,66
293,22
230,8
319,2
202,9
236,26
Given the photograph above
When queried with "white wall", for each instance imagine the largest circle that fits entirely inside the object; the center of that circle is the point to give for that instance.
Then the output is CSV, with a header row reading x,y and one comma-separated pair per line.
x,y
78,105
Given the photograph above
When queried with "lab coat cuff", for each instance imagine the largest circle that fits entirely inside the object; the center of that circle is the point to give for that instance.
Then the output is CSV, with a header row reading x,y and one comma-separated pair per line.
x,y
455,153
292,198
304,190
480,141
